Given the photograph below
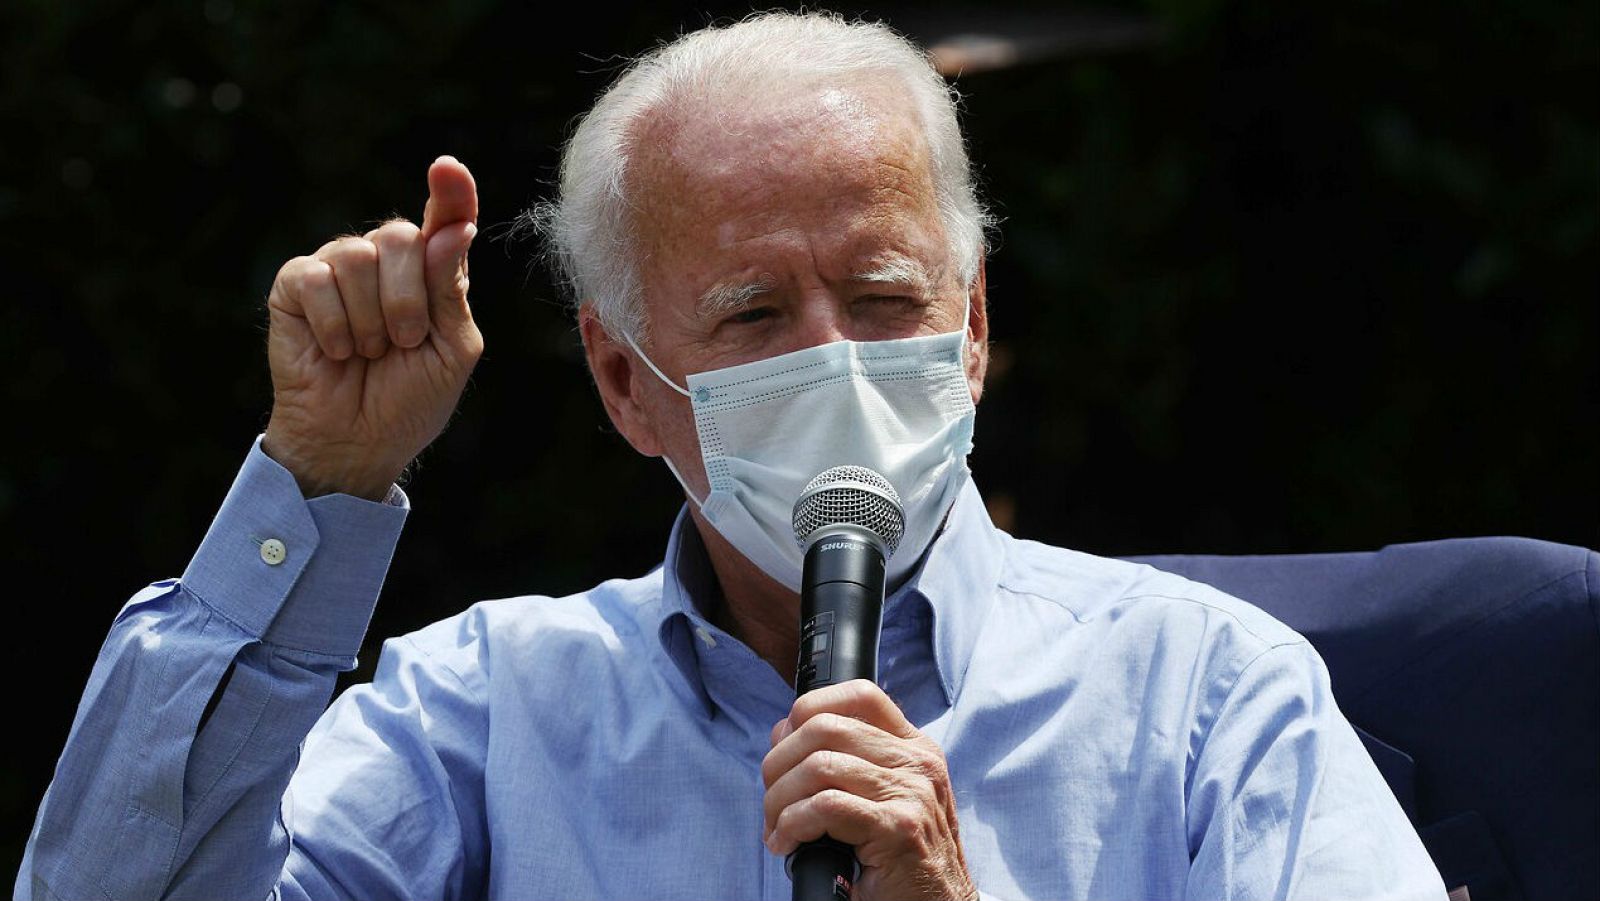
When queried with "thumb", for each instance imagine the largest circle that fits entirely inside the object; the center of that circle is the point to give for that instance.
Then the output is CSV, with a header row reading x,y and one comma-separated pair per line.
x,y
445,271
452,196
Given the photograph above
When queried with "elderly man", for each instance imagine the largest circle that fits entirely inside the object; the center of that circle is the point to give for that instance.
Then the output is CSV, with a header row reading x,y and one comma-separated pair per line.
x,y
777,258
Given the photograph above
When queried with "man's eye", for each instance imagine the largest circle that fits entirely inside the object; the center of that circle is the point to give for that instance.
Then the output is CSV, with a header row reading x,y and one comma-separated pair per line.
x,y
754,314
891,300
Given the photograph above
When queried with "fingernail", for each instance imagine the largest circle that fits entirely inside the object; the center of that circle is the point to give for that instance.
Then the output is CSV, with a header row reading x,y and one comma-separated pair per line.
x,y
411,334
445,157
461,258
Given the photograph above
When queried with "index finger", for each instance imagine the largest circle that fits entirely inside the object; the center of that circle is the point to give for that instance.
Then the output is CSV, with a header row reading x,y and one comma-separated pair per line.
x,y
837,733
452,196
858,698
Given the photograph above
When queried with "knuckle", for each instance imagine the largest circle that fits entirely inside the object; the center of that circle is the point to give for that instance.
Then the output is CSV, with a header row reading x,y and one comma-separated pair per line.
x,y
348,251
903,820
311,276
395,231
925,790
860,689
359,250
289,272
804,708
786,818
825,763
832,802
289,282
326,321
823,700
933,765
854,695
909,825
826,726
783,826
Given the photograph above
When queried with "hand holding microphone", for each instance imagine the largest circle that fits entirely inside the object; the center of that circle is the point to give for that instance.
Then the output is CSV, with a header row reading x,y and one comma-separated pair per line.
x,y
849,778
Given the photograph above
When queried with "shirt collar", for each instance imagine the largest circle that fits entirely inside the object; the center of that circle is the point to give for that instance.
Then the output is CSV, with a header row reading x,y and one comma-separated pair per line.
x,y
956,581
685,571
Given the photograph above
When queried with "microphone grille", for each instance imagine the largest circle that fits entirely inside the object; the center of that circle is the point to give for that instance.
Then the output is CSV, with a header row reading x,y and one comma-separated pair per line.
x,y
853,495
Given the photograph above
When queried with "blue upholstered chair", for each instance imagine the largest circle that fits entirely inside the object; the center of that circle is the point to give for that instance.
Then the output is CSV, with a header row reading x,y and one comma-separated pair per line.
x,y
1471,668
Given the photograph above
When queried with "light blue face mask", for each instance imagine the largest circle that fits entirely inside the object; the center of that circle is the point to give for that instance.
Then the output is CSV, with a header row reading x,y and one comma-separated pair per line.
x,y
900,407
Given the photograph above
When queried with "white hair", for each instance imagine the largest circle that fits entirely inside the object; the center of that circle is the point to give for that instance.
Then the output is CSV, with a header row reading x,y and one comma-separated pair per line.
x,y
587,229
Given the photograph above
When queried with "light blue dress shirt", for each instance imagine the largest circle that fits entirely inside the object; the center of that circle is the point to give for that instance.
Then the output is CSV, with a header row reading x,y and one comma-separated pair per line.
x,y
1112,731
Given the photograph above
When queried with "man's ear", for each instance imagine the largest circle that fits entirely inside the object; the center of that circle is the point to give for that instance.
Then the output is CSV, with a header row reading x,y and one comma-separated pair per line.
x,y
978,331
615,369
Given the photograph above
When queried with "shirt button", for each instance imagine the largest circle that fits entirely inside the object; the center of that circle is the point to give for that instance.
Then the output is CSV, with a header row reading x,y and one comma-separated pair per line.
x,y
273,551
701,633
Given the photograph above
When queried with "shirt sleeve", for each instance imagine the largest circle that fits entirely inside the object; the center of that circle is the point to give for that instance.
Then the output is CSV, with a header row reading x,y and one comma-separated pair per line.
x,y
154,796
1286,803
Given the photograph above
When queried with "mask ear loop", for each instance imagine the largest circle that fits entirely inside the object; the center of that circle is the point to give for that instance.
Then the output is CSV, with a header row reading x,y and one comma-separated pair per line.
x,y
966,327
669,382
698,502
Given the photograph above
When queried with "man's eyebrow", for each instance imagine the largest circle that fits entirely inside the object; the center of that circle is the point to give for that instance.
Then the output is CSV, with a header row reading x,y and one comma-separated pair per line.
x,y
731,296
896,269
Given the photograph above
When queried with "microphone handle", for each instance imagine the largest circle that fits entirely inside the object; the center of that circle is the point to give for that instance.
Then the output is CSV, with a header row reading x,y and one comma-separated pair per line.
x,y
841,616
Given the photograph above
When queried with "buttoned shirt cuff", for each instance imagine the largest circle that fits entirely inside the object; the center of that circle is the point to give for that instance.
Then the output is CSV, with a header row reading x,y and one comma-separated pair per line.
x,y
298,573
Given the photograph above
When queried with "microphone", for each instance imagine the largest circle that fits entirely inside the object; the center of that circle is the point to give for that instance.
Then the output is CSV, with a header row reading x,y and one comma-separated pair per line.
x,y
849,520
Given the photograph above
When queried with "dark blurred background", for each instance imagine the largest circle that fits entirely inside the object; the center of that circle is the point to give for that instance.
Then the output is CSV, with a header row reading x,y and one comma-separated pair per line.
x,y
1272,277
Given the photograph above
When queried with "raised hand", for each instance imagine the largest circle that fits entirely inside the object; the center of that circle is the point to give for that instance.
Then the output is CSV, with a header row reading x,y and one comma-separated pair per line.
x,y
370,343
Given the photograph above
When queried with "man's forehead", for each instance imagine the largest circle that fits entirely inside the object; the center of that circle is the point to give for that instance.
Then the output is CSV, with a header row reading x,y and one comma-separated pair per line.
x,y
728,199
725,135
